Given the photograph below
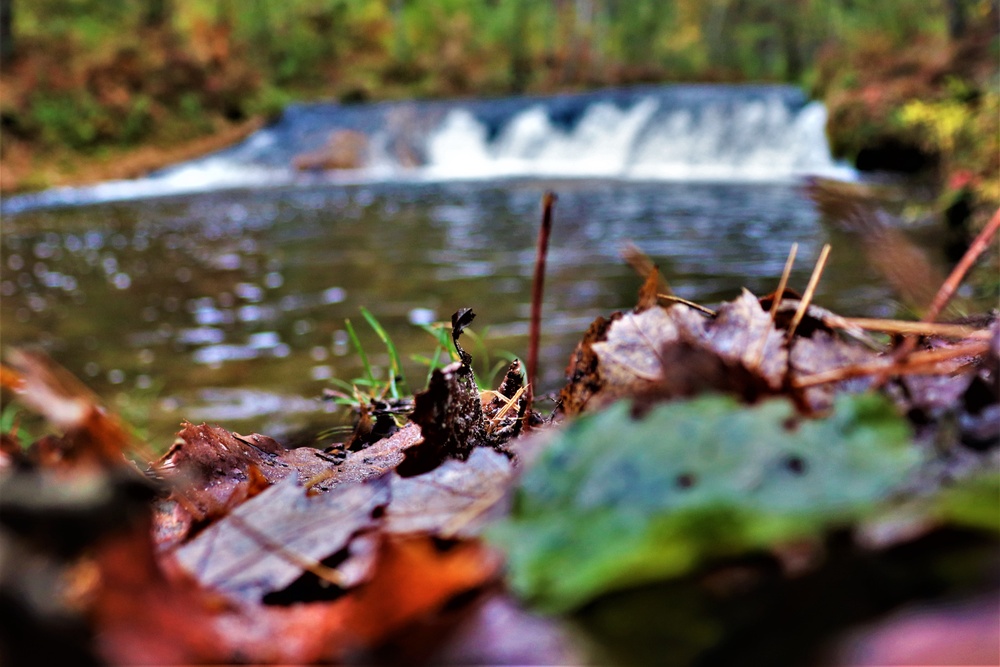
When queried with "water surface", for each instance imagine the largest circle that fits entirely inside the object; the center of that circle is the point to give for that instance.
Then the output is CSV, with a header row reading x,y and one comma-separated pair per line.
x,y
230,306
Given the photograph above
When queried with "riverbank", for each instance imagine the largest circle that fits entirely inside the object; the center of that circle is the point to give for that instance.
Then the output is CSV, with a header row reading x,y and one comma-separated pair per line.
x,y
24,171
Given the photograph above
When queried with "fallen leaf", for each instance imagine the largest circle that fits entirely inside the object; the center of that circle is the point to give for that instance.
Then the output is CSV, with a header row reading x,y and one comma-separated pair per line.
x,y
356,467
213,471
629,359
820,352
142,617
92,435
247,555
211,466
613,502
743,332
662,353
453,500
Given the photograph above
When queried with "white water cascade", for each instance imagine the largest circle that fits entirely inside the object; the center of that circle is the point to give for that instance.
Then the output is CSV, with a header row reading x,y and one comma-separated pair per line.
x,y
675,133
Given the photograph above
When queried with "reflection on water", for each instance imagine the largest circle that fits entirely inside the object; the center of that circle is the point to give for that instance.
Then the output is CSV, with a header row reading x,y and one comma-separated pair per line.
x,y
230,307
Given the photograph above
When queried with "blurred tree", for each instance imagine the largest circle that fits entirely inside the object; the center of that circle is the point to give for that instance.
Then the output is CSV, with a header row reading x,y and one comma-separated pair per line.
x,y
158,13
6,28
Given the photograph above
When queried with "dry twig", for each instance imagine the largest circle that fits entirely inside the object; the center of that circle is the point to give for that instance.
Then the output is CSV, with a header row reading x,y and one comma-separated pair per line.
x,y
690,304
810,290
537,285
783,283
918,363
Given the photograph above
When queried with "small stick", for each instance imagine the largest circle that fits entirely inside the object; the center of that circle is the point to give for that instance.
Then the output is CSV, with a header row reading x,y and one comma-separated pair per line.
x,y
906,327
689,304
537,285
508,406
952,282
783,283
917,363
810,290
761,344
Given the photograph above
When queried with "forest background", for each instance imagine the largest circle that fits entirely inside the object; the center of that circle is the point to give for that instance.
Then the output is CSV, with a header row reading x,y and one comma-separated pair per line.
x,y
99,89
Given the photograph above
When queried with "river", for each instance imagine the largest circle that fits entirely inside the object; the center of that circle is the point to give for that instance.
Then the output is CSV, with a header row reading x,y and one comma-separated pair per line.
x,y
218,290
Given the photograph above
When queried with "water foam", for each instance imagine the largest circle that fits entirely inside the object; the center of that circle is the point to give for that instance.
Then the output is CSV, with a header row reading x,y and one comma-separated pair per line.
x,y
708,133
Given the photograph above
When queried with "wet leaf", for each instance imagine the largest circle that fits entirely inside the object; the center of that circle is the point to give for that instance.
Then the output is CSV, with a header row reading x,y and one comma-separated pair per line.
x,y
453,500
258,548
663,353
614,503
212,467
92,435
213,471
823,352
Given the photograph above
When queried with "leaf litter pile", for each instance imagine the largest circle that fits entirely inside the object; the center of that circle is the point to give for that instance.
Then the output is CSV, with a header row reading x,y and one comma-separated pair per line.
x,y
765,482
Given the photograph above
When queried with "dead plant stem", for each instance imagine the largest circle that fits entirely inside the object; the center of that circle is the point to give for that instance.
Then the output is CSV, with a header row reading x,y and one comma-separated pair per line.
x,y
783,283
919,328
948,288
537,289
954,280
918,362
690,304
810,290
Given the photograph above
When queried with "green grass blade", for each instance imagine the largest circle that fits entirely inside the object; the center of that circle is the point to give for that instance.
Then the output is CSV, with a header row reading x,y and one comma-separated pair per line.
x,y
360,350
396,370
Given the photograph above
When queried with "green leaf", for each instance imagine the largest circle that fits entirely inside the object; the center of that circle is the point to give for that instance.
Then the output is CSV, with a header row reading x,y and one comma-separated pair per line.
x,y
973,502
614,503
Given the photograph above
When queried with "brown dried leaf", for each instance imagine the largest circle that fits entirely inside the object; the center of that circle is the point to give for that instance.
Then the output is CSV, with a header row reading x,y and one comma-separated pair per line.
x,y
247,555
823,352
582,371
211,466
454,499
92,436
743,333
143,617
413,578
650,290
661,353
904,265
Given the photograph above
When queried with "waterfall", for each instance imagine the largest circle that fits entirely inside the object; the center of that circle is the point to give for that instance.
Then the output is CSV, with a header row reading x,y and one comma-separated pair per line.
x,y
676,133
